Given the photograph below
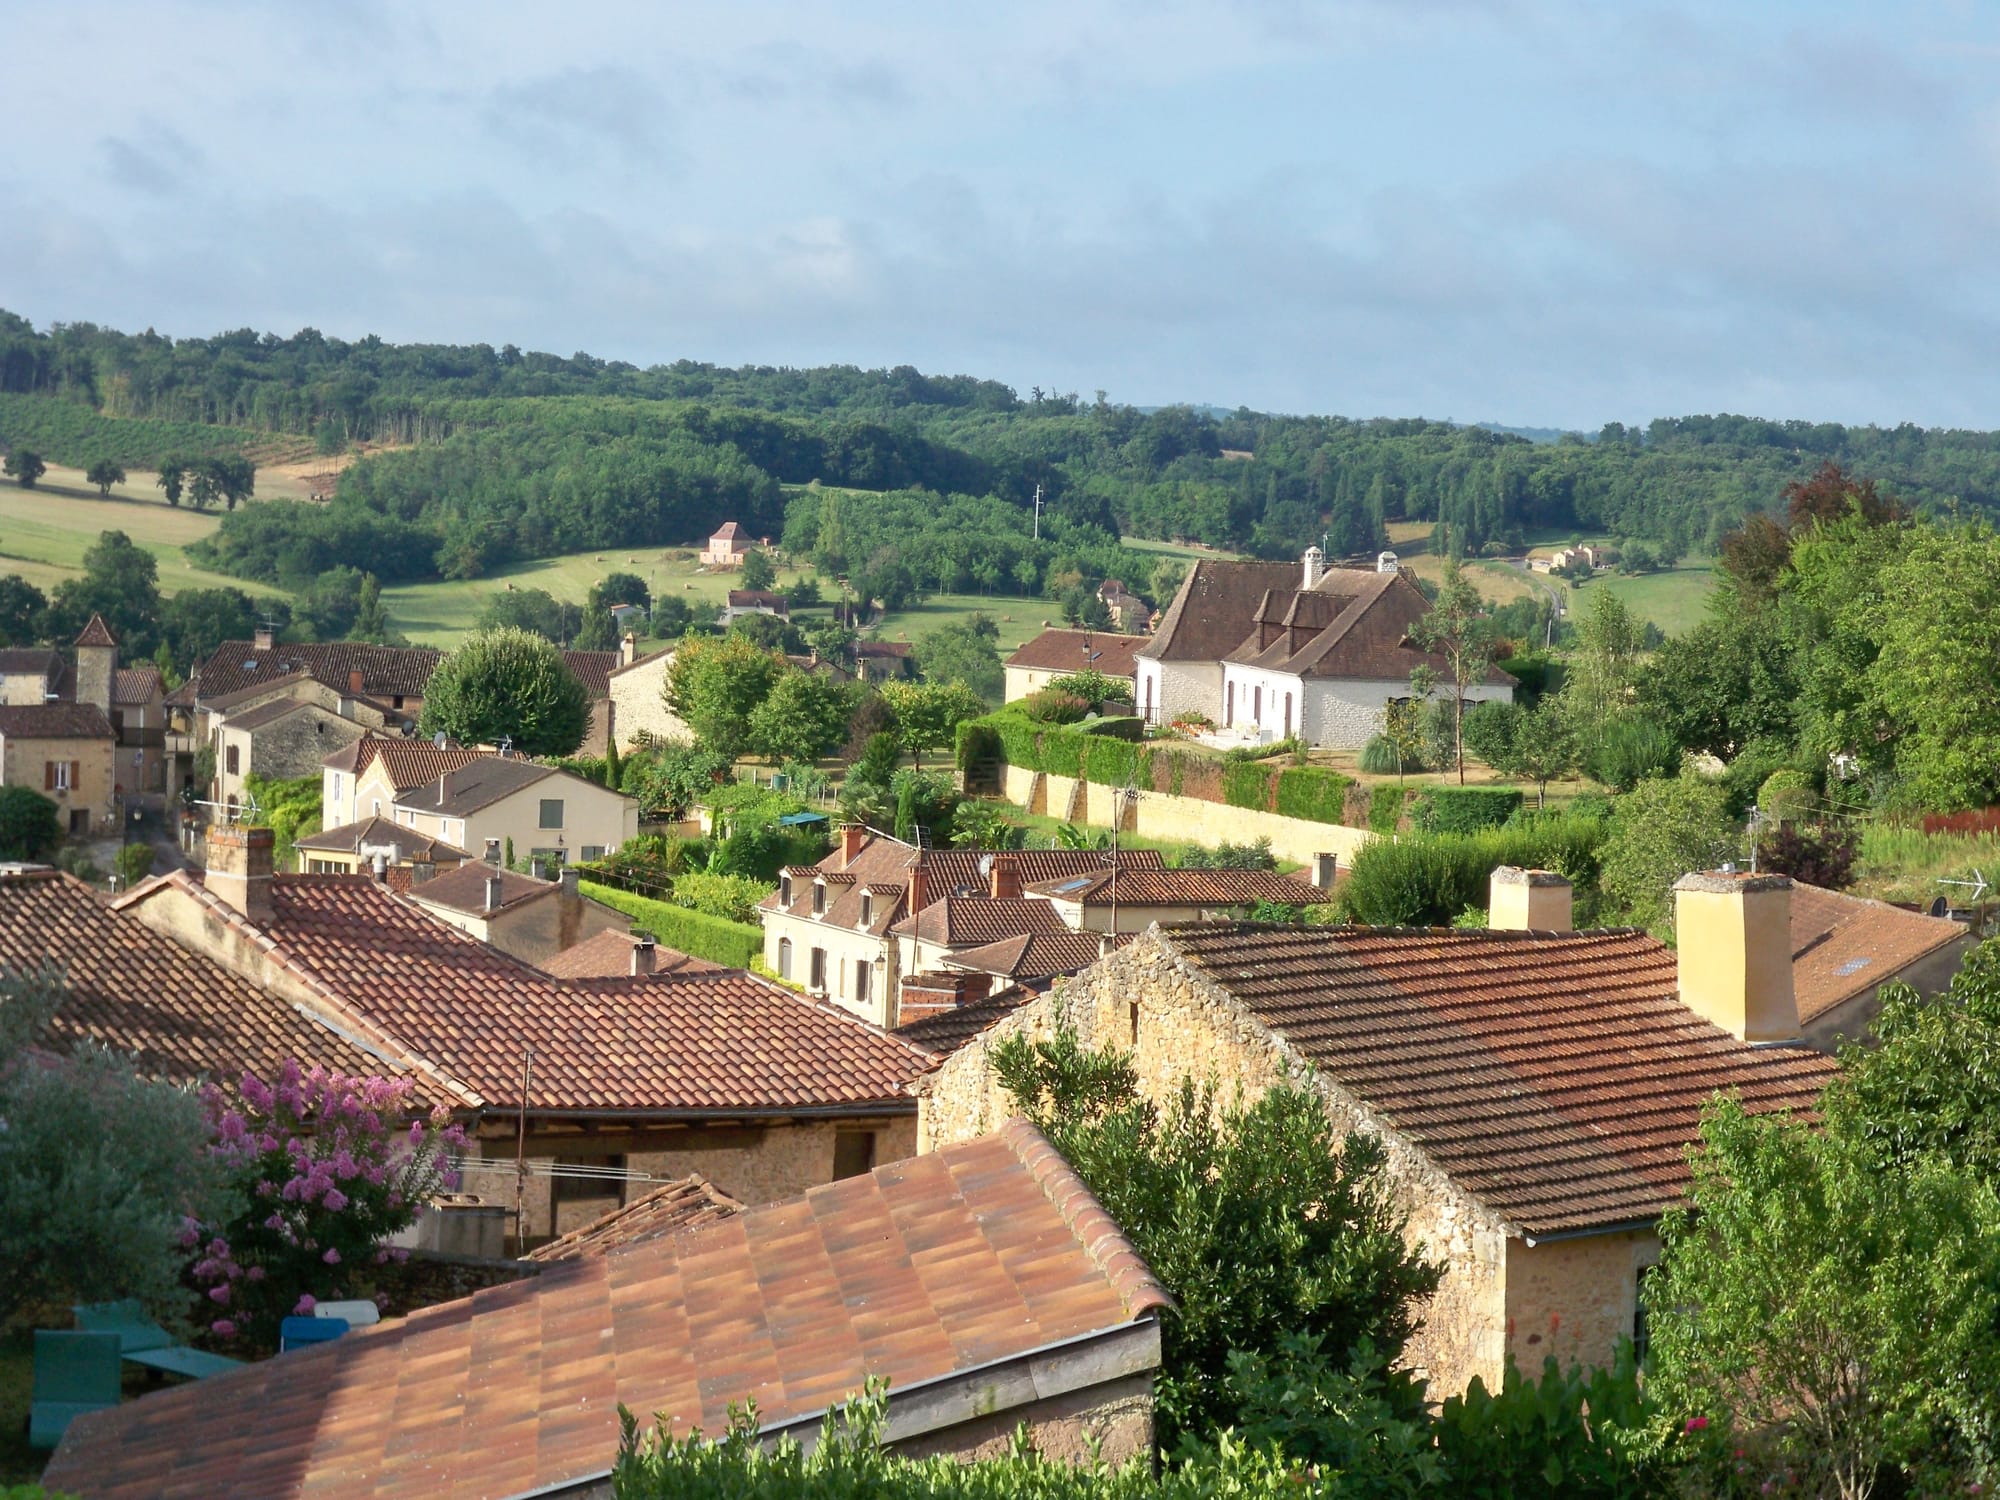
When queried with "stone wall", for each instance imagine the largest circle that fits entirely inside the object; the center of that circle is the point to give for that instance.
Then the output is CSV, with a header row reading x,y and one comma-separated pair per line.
x,y
1176,1022
1574,1299
297,745
638,704
1160,815
23,762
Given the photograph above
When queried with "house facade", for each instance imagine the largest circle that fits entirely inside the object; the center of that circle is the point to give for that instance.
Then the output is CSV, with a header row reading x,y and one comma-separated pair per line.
x,y
532,919
502,801
69,753
638,692
727,548
281,740
1534,1091
364,779
1057,653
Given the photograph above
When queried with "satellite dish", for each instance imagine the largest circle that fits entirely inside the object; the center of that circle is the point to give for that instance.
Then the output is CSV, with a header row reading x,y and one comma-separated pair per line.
x,y
439,738
985,864
1940,907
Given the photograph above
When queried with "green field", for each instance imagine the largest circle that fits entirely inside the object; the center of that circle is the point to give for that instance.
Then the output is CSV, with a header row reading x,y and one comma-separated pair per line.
x,y
44,533
1019,618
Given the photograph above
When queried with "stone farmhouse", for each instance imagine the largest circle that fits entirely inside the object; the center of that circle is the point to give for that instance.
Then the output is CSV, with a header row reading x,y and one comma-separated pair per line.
x,y
1269,650
728,547
131,700
984,1283
1536,1089
495,802
1056,653
532,919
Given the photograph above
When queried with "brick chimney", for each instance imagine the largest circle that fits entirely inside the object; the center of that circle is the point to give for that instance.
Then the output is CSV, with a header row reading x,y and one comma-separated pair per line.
x,y
354,683
1005,879
645,953
852,837
264,638
628,649
920,887
492,893
239,869
933,993
1735,950
1528,901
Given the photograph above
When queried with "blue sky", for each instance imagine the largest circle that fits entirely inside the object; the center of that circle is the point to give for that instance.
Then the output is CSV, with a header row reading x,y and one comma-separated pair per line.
x,y
1534,213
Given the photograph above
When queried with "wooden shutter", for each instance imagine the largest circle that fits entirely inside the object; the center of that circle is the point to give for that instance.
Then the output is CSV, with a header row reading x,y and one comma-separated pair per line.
x,y
48,776
75,774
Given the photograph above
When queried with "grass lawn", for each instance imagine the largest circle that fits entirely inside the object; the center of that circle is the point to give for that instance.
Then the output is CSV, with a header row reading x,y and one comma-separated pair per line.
x,y
1020,619
1905,864
45,532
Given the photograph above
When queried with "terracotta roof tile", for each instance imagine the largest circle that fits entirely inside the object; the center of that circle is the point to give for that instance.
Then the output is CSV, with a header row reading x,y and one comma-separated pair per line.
x,y
183,1016
386,671
464,889
272,712
699,1044
410,844
593,669
966,921
30,661
945,1031
136,685
405,762
667,1209
1556,1077
1103,651
915,1272
1212,611
1183,887
97,633
478,783
1351,625
54,721
1844,946
608,955
1032,956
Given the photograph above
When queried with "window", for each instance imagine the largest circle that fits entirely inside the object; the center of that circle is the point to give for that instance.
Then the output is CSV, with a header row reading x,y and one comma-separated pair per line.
x,y
784,958
819,898
1257,706
59,775
319,726
853,1153
79,822
552,812
1642,1332
1229,705
397,701
1288,715
867,906
861,981
229,760
784,890
592,851
817,977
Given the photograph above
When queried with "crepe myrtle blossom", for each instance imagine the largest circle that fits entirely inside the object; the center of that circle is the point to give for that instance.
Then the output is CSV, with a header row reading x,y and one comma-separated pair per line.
x,y
331,1165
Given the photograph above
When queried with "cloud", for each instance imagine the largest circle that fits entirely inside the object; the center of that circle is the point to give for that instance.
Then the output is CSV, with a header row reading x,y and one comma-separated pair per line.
x,y
160,162
564,118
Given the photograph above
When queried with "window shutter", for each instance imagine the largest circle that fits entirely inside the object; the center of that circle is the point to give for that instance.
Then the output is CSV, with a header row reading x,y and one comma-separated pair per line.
x,y
48,776
75,774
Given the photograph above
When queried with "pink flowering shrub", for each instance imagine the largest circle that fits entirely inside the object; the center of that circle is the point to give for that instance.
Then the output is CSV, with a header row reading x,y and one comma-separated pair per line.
x,y
328,1166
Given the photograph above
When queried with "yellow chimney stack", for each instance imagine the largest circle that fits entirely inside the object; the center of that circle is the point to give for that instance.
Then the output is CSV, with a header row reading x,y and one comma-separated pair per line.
x,y
1520,900
1735,937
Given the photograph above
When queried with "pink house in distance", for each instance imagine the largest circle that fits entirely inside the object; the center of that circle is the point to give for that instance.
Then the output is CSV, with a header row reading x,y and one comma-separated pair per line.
x,y
727,548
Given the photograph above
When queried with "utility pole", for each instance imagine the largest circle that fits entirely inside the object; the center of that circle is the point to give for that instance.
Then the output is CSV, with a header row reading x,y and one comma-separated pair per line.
x,y
1038,512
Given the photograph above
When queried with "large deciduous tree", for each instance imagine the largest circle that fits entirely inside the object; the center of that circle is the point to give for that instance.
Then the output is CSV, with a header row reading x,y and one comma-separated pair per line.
x,y
803,718
1457,629
929,713
22,607
120,581
508,684
104,474
716,685
1665,827
966,653
24,467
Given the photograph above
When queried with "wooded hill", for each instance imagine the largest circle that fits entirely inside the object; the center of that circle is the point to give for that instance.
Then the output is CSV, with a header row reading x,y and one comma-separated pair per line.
x,y
502,455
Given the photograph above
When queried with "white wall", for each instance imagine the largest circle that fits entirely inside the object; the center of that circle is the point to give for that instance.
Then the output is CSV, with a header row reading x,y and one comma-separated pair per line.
x,y
1337,713
1178,687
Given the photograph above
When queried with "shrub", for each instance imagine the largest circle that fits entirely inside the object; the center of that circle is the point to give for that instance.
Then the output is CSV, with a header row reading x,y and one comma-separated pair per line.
x,y
731,897
1313,792
1052,707
978,742
1094,688
1630,748
1426,880
1787,796
135,863
29,827
1664,828
719,941
1385,809
1754,764
1226,856
1246,784
1463,809
1821,854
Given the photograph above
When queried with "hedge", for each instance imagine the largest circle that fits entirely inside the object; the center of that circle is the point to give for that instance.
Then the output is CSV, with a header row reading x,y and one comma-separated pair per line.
x,y
1426,880
1246,784
1385,809
1313,792
733,944
1464,809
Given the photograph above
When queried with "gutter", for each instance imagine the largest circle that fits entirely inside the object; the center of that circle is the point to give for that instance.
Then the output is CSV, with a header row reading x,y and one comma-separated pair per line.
x,y
1626,1226
902,1105
945,1401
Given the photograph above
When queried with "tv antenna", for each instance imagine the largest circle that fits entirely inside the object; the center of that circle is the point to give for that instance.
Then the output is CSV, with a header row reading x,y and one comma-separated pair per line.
x,y
1977,885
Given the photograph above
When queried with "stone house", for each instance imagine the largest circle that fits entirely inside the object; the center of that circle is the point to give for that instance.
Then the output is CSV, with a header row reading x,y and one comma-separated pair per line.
x,y
31,675
69,753
281,740
882,661
498,801
638,690
1056,653
727,548
830,928
740,602
1535,1088
764,1092
364,779
532,919
132,698
985,1285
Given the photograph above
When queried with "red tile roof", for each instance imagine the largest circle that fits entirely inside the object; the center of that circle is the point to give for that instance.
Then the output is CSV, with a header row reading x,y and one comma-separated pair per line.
x,y
405,762
410,844
931,1268
667,1209
1555,1077
1844,946
386,671
97,633
729,531
1103,651
184,1016
721,1044
966,921
593,669
54,721
608,955
270,713
1031,956
945,1031
136,685
1351,625
1185,887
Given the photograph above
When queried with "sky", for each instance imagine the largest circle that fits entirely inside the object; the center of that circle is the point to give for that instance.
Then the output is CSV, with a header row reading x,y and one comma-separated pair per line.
x,y
1540,214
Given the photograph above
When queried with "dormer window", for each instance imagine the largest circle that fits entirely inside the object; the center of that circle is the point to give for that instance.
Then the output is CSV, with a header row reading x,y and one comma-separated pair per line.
x,y
819,898
784,890
867,907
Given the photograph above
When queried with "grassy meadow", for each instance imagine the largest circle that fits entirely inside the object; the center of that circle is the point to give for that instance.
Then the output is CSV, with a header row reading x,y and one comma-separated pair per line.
x,y
45,531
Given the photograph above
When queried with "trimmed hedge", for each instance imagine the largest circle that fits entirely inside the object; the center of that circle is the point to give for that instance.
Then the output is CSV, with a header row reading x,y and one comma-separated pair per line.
x,y
735,944
1428,879
1464,809
1246,784
1385,809
1313,792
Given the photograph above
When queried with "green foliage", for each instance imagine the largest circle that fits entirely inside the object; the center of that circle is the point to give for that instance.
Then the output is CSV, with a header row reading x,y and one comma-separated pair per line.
x,y
24,466
924,800
1627,749
1426,880
928,713
717,685
1312,792
669,777
1094,687
1260,1219
1379,757
1591,1435
1385,809
1227,856
29,827
1247,784
803,717
1047,706
508,684
120,581
733,944
1663,829
532,609
135,863
104,473
731,897
1787,796
985,825
69,432
759,572
290,809
964,652
1464,809
98,1166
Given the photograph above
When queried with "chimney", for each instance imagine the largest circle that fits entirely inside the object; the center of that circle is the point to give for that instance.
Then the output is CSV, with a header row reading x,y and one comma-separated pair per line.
x,y
538,866
644,953
920,887
442,775
1326,869
567,878
628,649
1528,901
239,869
493,851
1315,568
1006,876
264,638
1735,948
422,870
354,683
852,837
380,867
492,893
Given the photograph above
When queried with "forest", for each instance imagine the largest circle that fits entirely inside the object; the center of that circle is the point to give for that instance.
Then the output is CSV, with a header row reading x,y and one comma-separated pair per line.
x,y
480,457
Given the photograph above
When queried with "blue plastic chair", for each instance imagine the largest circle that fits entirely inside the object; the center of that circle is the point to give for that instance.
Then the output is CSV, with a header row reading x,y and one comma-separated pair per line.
x,y
74,1373
297,1333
